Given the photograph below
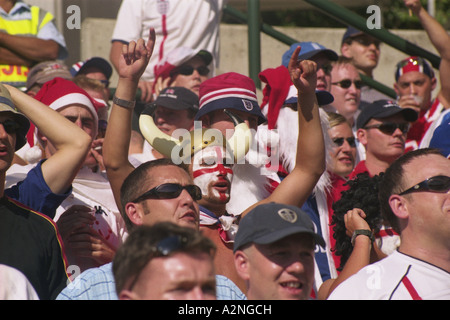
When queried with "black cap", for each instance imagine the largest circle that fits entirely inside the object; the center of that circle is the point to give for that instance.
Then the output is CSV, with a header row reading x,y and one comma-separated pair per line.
x,y
177,98
323,98
382,109
268,223
97,62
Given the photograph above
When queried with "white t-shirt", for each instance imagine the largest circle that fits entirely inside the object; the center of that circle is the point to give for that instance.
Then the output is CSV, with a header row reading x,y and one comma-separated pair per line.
x,y
14,285
396,277
177,23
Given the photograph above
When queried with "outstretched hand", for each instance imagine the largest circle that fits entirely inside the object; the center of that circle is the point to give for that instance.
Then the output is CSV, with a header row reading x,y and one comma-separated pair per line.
x,y
135,57
413,5
303,73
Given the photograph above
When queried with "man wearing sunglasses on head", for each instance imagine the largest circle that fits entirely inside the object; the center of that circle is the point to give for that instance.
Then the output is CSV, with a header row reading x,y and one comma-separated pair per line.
x,y
144,266
414,189
382,128
415,80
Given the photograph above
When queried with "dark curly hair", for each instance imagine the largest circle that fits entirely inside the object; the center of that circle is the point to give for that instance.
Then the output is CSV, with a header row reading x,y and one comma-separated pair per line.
x,y
362,194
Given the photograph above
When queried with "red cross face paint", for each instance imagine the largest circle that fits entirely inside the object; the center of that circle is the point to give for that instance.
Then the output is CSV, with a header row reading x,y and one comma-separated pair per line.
x,y
211,171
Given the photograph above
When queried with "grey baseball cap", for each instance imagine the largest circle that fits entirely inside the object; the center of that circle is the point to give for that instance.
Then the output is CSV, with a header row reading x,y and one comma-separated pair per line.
x,y
268,223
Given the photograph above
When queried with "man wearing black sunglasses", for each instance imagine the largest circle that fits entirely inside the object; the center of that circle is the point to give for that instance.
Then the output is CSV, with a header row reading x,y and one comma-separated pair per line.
x,y
414,197
183,67
346,89
382,128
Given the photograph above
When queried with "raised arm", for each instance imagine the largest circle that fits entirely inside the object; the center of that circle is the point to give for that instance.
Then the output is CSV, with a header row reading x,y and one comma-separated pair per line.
x,y
71,142
441,41
131,65
310,156
115,55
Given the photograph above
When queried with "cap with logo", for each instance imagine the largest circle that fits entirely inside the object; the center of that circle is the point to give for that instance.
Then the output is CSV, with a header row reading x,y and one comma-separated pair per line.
x,y
7,105
382,109
229,90
309,50
268,223
176,98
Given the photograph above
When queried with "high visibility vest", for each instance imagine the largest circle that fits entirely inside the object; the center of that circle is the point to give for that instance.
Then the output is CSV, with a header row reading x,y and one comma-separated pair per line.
x,y
16,75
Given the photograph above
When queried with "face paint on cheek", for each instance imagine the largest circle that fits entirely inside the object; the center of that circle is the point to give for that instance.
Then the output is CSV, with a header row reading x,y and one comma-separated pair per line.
x,y
207,177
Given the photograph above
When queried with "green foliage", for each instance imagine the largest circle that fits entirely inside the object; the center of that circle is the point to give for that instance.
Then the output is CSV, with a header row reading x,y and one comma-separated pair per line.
x,y
395,16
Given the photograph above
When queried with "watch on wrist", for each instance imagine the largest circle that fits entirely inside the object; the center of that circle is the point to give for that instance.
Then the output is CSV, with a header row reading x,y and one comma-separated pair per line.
x,y
124,103
363,232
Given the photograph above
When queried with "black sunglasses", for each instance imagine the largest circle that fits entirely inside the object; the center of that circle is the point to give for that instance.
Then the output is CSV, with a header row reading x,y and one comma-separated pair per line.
x,y
10,126
366,41
390,127
170,191
340,141
346,83
433,184
187,70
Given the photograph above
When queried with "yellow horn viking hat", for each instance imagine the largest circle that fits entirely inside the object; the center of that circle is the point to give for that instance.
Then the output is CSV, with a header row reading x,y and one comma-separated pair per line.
x,y
196,140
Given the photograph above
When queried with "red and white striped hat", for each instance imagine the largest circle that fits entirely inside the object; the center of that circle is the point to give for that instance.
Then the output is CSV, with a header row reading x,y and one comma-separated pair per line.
x,y
229,91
